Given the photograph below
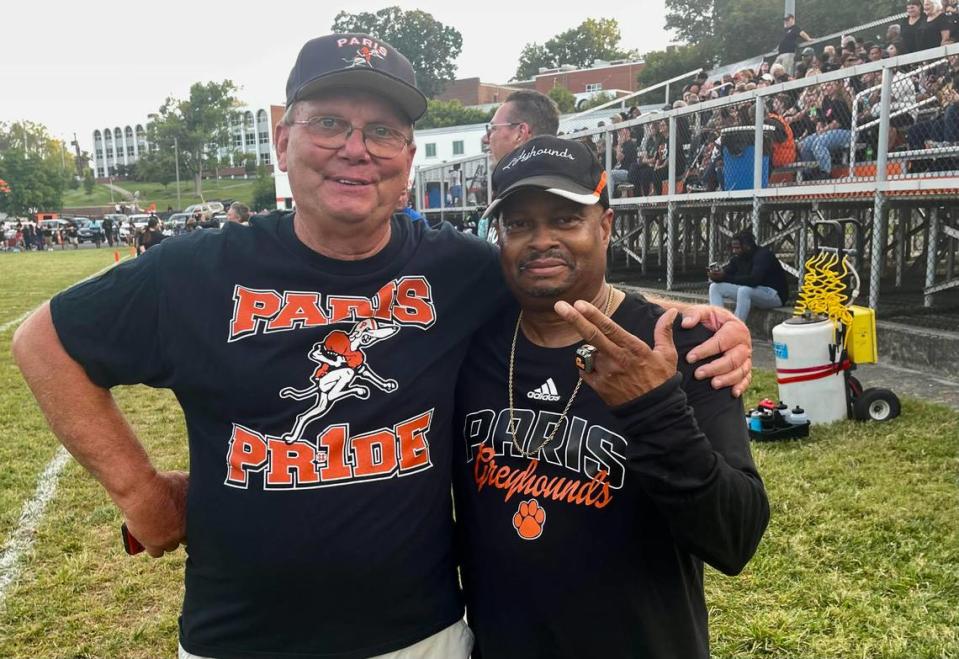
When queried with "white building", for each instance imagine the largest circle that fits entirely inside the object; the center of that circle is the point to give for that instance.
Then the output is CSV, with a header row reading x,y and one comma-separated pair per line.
x,y
250,132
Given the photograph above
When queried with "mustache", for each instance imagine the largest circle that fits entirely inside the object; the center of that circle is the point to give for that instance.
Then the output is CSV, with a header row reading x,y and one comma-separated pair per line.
x,y
548,254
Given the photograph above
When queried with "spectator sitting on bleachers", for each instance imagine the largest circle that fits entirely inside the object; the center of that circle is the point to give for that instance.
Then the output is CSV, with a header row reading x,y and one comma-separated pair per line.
x,y
783,142
626,152
802,115
833,123
754,277
875,53
808,60
830,60
943,128
894,37
778,72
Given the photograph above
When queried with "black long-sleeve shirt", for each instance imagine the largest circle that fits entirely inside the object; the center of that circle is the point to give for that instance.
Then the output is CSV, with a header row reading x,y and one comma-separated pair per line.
x,y
629,503
760,267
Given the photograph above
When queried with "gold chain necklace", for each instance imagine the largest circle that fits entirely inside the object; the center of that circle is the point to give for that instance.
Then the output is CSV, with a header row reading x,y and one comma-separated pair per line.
x,y
512,360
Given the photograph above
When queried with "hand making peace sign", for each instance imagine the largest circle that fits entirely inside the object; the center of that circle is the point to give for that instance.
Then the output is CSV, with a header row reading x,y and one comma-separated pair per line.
x,y
625,367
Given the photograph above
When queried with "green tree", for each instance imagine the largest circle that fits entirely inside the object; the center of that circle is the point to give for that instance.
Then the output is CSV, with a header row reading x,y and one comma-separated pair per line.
x,y
563,98
264,190
440,114
580,46
666,64
196,123
430,46
36,167
595,101
729,31
157,166
532,58
88,183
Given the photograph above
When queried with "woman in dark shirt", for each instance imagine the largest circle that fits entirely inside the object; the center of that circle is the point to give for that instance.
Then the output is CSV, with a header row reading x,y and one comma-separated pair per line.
x,y
934,29
909,28
833,121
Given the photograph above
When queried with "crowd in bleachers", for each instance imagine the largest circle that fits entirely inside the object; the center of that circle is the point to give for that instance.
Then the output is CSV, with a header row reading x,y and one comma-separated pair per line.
x,y
810,131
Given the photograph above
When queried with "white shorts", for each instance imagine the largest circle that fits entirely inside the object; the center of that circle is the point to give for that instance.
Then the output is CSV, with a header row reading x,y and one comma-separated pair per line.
x,y
454,642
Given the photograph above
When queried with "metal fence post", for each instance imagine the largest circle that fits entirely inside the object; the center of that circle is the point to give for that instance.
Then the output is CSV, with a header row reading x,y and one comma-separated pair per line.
x,y
670,243
902,220
932,240
672,156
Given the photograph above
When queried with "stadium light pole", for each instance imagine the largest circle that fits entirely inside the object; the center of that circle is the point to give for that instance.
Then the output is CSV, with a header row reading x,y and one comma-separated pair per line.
x,y
790,8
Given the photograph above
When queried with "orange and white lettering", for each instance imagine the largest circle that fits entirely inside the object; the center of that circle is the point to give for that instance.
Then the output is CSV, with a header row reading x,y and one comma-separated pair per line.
x,y
250,309
333,442
414,304
291,464
247,452
375,454
299,310
414,448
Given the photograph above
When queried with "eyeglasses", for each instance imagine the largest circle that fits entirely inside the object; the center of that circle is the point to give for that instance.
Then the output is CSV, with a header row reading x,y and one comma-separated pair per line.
x,y
491,127
333,132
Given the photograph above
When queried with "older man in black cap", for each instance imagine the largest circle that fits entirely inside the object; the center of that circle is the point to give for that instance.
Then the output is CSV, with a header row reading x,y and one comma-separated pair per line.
x,y
595,475
314,355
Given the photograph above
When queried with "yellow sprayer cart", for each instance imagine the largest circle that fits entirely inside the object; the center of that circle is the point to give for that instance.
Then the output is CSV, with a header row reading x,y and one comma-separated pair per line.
x,y
819,347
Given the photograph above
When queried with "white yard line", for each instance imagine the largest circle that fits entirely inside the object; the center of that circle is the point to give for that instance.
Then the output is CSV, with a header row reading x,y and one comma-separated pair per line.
x,y
21,540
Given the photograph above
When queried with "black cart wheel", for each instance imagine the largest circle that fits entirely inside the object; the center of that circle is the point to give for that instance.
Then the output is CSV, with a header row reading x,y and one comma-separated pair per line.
x,y
876,404
854,386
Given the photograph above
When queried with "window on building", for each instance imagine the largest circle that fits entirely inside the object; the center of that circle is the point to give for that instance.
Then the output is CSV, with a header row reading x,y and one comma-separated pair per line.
x,y
130,151
264,137
109,153
237,140
594,87
431,150
250,139
458,148
264,158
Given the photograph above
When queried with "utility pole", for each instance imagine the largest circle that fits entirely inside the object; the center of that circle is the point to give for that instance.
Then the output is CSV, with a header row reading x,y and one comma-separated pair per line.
x,y
790,8
176,161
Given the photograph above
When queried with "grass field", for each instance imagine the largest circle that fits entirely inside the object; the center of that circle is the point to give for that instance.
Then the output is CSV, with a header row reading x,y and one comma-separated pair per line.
x,y
861,558
235,189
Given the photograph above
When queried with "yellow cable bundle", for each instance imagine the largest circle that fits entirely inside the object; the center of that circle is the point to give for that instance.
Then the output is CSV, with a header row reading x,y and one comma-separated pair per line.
x,y
824,289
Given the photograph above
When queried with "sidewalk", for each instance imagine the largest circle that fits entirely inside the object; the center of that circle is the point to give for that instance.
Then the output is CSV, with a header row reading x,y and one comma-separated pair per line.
x,y
903,381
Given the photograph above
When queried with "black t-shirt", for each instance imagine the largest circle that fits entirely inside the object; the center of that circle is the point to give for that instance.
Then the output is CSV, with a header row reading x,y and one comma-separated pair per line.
x,y
929,34
909,33
340,543
629,502
833,109
790,40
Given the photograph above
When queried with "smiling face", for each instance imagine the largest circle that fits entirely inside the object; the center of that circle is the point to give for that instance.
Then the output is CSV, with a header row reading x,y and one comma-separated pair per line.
x,y
346,184
552,248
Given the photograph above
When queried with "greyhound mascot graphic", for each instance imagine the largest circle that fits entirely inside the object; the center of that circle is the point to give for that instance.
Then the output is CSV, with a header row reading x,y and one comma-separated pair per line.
x,y
341,363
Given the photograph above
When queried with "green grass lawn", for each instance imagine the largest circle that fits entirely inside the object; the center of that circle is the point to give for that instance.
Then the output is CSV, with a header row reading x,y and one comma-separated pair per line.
x,y
236,189
861,558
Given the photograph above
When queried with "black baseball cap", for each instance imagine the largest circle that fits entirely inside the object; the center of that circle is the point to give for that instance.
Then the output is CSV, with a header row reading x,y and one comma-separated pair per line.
x,y
564,168
355,61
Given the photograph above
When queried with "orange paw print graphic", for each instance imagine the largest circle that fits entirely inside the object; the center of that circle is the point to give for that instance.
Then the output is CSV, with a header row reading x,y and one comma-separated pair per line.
x,y
529,519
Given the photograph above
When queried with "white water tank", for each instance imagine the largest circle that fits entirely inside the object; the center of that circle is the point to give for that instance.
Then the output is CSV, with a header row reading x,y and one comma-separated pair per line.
x,y
804,370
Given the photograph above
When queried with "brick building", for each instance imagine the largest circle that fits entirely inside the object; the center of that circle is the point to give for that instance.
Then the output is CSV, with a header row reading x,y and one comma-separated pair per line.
x,y
599,77
471,92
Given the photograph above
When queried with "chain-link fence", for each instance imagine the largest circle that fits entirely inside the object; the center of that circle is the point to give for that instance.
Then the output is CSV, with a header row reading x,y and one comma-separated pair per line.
x,y
867,123
456,190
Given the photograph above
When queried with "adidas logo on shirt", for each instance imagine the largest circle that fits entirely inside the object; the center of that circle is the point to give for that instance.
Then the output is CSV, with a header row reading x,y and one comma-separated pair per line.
x,y
547,391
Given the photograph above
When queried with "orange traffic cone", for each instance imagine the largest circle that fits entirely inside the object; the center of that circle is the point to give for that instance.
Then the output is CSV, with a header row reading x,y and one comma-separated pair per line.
x,y
116,256
133,251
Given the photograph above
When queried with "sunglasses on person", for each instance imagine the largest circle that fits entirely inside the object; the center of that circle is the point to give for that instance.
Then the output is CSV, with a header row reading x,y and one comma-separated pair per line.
x,y
491,127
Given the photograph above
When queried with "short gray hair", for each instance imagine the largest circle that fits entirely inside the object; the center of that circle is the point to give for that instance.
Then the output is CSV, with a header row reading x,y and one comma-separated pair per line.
x,y
242,210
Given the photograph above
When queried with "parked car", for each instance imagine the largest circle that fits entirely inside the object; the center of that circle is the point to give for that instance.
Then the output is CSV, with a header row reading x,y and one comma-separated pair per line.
x,y
216,206
89,231
140,220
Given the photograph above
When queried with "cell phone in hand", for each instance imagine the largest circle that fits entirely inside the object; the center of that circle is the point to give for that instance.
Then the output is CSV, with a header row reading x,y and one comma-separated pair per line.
x,y
131,545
